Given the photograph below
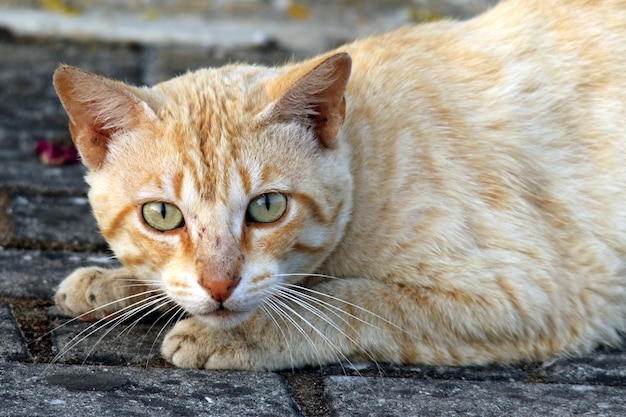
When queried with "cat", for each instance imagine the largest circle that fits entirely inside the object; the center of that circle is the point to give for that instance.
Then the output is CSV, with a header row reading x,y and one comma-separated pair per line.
x,y
451,193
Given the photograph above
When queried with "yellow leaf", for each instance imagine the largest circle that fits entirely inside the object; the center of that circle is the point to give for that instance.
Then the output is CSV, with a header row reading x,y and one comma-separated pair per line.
x,y
60,6
297,11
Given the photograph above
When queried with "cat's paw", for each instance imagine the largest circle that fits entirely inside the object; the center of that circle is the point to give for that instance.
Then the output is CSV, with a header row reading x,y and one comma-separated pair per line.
x,y
89,294
192,344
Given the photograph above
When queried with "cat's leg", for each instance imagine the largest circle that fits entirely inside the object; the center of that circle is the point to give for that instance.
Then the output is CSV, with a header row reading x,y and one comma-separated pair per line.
x,y
93,293
358,319
257,344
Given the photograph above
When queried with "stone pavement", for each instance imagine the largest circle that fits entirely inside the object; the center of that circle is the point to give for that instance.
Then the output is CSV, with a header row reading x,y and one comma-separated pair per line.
x,y
46,230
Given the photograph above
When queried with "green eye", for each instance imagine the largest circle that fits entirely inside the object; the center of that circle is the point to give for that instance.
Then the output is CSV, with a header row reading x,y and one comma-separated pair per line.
x,y
162,216
267,208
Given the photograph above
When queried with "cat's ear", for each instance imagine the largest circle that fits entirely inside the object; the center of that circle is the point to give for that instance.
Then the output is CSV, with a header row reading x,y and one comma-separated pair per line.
x,y
315,96
97,108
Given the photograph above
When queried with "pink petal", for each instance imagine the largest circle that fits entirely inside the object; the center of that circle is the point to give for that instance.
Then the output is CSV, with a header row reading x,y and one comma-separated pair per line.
x,y
54,154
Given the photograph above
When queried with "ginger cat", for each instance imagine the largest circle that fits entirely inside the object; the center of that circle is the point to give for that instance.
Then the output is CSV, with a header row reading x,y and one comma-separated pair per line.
x,y
450,193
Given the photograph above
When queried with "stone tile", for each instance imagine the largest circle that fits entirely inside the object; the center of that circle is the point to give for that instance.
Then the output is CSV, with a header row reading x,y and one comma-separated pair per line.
x,y
40,390
12,345
60,219
35,274
27,97
386,397
470,373
605,367
130,343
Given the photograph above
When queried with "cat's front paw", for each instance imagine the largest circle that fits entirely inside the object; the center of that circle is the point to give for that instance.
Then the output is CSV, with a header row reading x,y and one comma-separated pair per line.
x,y
192,344
91,293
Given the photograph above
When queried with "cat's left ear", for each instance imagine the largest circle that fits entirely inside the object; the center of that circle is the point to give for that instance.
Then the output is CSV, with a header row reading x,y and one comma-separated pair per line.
x,y
315,96
98,109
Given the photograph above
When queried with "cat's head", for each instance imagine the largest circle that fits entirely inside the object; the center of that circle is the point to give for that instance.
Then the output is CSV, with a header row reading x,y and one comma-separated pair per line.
x,y
220,183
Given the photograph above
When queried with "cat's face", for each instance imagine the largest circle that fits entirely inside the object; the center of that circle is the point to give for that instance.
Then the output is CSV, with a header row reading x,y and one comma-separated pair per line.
x,y
213,184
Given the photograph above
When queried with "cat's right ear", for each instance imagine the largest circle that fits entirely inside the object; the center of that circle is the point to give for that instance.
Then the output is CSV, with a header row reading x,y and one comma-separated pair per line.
x,y
98,108
313,94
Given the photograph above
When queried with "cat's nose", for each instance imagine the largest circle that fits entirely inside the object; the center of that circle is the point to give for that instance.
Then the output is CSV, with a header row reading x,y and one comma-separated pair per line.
x,y
220,290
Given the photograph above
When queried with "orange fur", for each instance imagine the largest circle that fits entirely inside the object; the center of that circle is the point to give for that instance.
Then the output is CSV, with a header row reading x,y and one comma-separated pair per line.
x,y
454,194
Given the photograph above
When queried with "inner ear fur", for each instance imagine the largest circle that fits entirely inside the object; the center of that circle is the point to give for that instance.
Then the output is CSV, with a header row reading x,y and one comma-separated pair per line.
x,y
314,95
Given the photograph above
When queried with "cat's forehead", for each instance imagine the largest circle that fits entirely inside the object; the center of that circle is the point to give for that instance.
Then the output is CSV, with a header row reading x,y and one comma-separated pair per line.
x,y
214,102
208,140
232,83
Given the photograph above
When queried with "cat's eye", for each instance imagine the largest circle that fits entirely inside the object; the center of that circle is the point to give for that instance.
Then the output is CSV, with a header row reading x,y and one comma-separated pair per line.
x,y
162,216
267,208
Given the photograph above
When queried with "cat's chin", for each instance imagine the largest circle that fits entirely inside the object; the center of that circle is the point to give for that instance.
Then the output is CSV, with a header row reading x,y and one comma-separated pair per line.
x,y
224,318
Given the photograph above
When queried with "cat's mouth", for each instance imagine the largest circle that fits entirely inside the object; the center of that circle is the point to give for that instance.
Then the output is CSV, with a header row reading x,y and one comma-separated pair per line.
x,y
223,317
223,312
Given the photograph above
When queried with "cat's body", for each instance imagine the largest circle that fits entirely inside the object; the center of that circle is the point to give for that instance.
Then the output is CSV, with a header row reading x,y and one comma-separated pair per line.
x,y
468,196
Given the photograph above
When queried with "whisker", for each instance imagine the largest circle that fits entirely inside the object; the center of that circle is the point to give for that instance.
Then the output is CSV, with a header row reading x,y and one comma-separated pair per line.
x,y
311,290
74,319
117,321
97,325
331,307
272,303
104,306
268,310
306,275
340,313
338,353
295,296
155,282
356,306
158,304
133,285
175,317
283,310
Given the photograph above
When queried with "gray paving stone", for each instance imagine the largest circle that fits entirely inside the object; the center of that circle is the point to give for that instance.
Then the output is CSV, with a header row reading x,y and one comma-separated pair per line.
x,y
62,219
385,397
505,373
35,274
40,390
130,342
27,98
603,367
12,346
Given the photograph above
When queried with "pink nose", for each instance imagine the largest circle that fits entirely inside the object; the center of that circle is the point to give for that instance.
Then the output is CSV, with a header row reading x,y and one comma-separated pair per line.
x,y
220,290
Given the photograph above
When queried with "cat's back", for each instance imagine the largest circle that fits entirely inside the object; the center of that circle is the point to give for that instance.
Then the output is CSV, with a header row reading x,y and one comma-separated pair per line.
x,y
566,47
498,132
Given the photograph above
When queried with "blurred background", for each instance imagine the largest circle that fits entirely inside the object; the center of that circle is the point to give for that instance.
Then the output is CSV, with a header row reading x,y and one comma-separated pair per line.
x,y
304,26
